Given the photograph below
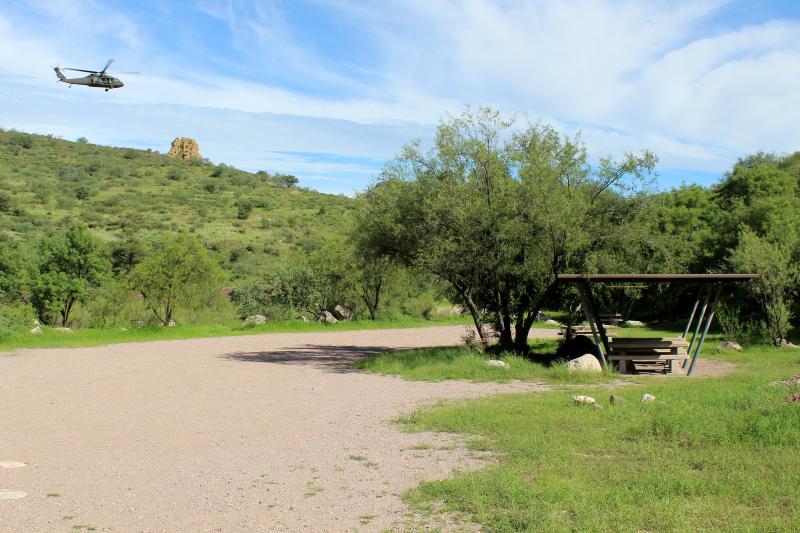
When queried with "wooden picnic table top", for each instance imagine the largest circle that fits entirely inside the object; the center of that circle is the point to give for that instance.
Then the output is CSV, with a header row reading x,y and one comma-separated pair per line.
x,y
647,343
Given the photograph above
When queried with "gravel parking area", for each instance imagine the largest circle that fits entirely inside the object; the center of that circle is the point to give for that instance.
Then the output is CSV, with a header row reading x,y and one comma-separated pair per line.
x,y
254,433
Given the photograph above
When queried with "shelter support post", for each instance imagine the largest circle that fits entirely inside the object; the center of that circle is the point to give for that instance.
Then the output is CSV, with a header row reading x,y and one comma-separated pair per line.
x,y
691,317
598,331
699,323
705,330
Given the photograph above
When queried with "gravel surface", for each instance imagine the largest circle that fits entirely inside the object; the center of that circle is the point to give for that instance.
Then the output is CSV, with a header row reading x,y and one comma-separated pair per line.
x,y
254,433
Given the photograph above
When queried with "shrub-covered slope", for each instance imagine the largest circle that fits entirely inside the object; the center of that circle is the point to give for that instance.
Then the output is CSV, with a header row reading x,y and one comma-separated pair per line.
x,y
250,220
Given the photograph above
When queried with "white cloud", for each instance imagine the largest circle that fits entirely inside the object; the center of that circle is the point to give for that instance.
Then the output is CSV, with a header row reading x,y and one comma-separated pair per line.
x,y
630,74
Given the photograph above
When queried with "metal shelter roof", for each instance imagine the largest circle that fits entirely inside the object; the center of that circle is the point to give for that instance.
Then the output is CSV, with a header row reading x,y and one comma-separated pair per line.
x,y
656,278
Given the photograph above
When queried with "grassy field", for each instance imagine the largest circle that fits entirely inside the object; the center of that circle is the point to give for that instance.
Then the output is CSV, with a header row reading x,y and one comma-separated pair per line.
x,y
709,454
51,338
461,362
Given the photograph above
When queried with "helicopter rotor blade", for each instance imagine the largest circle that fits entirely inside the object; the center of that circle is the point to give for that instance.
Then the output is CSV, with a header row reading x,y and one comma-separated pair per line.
x,y
106,67
80,70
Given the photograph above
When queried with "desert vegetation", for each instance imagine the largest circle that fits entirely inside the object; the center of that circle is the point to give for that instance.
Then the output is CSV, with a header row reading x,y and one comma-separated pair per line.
x,y
481,222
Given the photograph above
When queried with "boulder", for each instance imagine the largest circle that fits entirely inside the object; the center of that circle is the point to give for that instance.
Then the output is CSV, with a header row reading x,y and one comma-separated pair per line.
x,y
647,398
728,345
585,363
584,400
302,318
342,313
63,330
37,331
171,324
551,322
184,148
326,318
541,317
633,324
255,320
496,363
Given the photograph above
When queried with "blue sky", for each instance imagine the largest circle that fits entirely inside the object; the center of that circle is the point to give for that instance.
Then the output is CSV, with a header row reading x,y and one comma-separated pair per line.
x,y
330,89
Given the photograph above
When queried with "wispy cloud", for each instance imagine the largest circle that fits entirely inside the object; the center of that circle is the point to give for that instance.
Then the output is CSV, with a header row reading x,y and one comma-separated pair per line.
x,y
677,77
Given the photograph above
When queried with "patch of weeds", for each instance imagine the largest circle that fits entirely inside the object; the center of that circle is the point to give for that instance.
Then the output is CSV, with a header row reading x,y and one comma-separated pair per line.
x,y
358,458
312,489
53,495
371,464
81,527
69,517
366,519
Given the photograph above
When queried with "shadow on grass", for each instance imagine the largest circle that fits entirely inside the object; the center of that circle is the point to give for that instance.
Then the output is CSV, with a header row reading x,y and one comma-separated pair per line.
x,y
332,358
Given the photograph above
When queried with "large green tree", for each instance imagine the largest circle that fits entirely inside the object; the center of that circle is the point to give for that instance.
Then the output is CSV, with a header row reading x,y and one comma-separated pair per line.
x,y
177,272
759,225
71,263
497,212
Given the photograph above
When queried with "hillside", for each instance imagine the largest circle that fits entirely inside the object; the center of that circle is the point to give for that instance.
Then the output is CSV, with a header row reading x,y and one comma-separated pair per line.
x,y
249,220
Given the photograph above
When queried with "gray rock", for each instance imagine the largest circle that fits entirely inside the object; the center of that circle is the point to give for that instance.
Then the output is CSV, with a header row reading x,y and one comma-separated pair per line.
x,y
37,331
496,363
541,317
302,318
63,330
255,320
584,400
551,322
648,398
171,324
633,324
728,345
326,318
584,363
342,313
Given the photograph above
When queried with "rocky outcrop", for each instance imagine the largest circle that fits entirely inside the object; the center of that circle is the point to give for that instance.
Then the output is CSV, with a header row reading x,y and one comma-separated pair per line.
x,y
585,363
496,363
255,320
184,148
342,313
326,318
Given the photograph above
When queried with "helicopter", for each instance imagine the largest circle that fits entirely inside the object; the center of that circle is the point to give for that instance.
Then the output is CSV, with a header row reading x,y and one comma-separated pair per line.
x,y
93,79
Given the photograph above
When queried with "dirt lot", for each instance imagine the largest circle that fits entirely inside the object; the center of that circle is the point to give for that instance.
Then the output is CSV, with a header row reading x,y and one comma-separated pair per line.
x,y
255,433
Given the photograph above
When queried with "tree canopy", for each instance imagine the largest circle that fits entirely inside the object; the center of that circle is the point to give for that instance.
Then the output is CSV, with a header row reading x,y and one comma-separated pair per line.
x,y
498,211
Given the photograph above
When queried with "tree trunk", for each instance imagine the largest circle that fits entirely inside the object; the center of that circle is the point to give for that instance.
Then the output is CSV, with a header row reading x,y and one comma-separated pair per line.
x,y
504,321
523,329
476,316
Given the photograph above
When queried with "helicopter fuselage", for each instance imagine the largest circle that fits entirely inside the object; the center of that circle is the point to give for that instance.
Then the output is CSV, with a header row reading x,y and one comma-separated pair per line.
x,y
92,80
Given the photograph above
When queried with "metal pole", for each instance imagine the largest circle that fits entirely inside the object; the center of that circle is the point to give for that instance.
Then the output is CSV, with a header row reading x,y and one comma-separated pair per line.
x,y
705,330
691,318
587,310
697,326
598,323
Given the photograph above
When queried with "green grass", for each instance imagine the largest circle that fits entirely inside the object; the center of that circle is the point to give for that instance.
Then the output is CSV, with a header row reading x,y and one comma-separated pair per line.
x,y
103,336
461,362
710,454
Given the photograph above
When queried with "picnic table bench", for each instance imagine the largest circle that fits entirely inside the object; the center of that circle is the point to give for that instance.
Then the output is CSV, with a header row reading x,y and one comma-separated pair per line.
x,y
656,354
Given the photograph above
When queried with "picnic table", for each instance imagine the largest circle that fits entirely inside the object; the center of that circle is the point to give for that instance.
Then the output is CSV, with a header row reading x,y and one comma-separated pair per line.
x,y
666,355
669,355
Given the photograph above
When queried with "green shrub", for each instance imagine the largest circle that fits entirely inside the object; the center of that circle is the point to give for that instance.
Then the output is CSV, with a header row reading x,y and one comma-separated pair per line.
x,y
15,319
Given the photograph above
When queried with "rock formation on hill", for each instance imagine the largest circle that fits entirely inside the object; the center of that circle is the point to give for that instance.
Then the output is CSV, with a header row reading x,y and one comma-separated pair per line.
x,y
185,148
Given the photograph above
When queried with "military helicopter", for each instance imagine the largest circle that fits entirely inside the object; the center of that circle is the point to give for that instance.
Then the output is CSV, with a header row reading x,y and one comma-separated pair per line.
x,y
93,79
